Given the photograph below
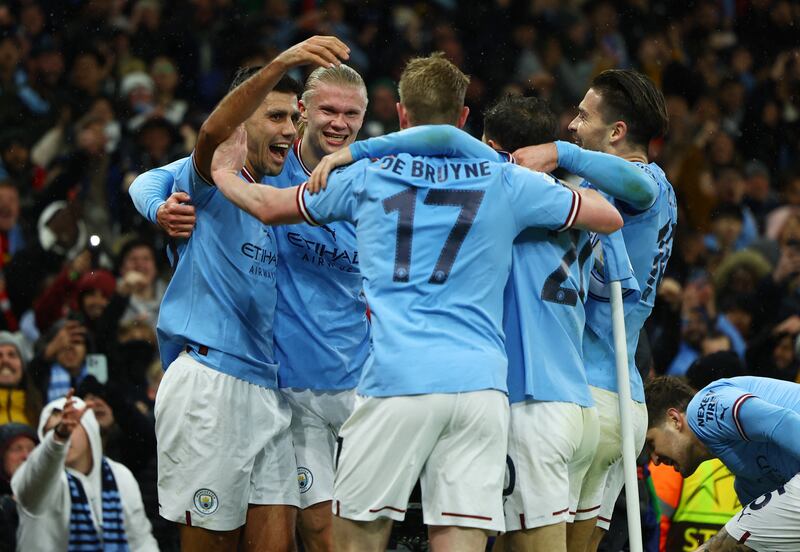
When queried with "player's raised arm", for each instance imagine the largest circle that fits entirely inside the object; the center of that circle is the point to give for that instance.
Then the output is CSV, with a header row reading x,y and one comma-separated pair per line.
x,y
268,204
611,174
243,100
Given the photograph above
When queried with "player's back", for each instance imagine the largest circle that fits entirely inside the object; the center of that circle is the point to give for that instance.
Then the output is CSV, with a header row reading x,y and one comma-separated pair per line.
x,y
648,237
434,238
743,421
544,317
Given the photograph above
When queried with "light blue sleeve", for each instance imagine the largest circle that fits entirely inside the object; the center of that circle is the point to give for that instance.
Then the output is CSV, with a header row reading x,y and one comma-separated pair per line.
x,y
613,175
426,140
539,200
762,421
150,191
339,200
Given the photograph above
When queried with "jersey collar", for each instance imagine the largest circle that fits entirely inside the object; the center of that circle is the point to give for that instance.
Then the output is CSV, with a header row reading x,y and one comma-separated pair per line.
x,y
300,159
247,176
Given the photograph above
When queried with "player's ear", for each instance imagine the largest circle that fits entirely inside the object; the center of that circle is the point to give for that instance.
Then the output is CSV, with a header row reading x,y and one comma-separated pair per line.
x,y
402,116
675,418
462,119
619,130
492,144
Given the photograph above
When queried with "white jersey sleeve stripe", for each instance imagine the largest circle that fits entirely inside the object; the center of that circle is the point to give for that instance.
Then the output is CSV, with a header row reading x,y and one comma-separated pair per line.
x,y
301,205
737,405
573,211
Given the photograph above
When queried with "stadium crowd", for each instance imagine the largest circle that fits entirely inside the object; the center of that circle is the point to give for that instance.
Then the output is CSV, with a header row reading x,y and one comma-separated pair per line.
x,y
95,92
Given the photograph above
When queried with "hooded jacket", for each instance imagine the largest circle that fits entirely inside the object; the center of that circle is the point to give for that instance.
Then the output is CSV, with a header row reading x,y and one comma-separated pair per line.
x,y
42,491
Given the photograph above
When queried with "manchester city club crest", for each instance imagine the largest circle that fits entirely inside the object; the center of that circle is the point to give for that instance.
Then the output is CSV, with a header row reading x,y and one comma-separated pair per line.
x,y
304,479
205,501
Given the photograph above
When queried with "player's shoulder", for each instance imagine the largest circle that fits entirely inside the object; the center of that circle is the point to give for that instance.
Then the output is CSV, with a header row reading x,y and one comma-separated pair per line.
x,y
715,407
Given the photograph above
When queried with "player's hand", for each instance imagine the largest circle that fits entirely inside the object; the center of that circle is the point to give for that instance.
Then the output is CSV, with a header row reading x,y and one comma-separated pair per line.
x,y
177,216
70,418
542,158
230,155
325,51
319,178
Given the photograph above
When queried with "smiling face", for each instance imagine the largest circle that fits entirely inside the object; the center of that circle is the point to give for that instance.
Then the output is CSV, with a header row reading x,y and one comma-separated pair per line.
x,y
673,443
270,133
334,115
588,127
10,366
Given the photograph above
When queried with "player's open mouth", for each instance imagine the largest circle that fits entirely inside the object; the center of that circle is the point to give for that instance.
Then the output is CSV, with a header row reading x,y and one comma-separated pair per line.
x,y
334,139
279,151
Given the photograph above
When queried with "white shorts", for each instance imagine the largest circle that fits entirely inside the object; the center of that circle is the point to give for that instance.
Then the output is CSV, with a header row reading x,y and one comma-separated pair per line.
x,y
771,523
222,444
317,417
455,443
550,448
605,478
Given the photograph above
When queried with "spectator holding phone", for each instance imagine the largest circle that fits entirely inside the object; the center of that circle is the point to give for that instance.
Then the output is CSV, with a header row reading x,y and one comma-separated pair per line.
x,y
70,494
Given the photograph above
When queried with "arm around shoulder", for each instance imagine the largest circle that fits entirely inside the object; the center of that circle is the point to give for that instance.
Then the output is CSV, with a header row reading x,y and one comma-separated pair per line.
x,y
596,214
613,175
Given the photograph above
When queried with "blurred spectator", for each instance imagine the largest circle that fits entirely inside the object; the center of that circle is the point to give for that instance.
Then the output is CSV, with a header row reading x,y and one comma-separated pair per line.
x,y
20,400
16,443
140,282
61,364
67,479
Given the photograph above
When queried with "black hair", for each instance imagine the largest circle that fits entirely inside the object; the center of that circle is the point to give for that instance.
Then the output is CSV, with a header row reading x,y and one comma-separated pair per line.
x,y
287,84
633,98
515,122
727,210
665,392
723,364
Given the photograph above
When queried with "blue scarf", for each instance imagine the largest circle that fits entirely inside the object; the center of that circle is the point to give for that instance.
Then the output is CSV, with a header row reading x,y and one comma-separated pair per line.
x,y
83,535
61,381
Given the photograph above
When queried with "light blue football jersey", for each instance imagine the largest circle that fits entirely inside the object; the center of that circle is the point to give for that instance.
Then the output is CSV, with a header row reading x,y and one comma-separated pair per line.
x,y
544,317
435,238
753,426
222,295
321,327
648,239
543,314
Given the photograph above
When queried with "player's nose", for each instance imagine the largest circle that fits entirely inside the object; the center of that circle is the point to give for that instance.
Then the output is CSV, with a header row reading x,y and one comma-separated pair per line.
x,y
573,125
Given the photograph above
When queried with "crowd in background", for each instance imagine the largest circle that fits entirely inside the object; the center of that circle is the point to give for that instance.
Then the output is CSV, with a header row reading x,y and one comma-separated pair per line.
x,y
95,92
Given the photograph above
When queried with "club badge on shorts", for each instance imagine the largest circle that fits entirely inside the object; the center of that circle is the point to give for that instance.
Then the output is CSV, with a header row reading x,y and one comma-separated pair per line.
x,y
205,501
304,479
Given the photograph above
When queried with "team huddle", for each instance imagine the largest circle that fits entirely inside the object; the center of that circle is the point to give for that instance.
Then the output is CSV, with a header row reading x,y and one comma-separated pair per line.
x,y
348,318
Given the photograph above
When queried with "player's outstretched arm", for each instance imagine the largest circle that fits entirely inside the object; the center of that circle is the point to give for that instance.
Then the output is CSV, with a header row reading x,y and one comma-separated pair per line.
x,y
438,140
242,101
433,140
613,175
723,542
150,193
268,204
596,214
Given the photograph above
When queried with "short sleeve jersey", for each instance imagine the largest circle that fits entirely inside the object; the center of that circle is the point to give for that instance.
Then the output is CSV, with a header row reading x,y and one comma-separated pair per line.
x,y
434,238
752,424
321,327
221,299
544,316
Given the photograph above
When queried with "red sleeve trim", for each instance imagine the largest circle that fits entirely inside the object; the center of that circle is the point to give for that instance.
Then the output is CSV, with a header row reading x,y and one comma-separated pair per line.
x,y
574,209
737,405
301,205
